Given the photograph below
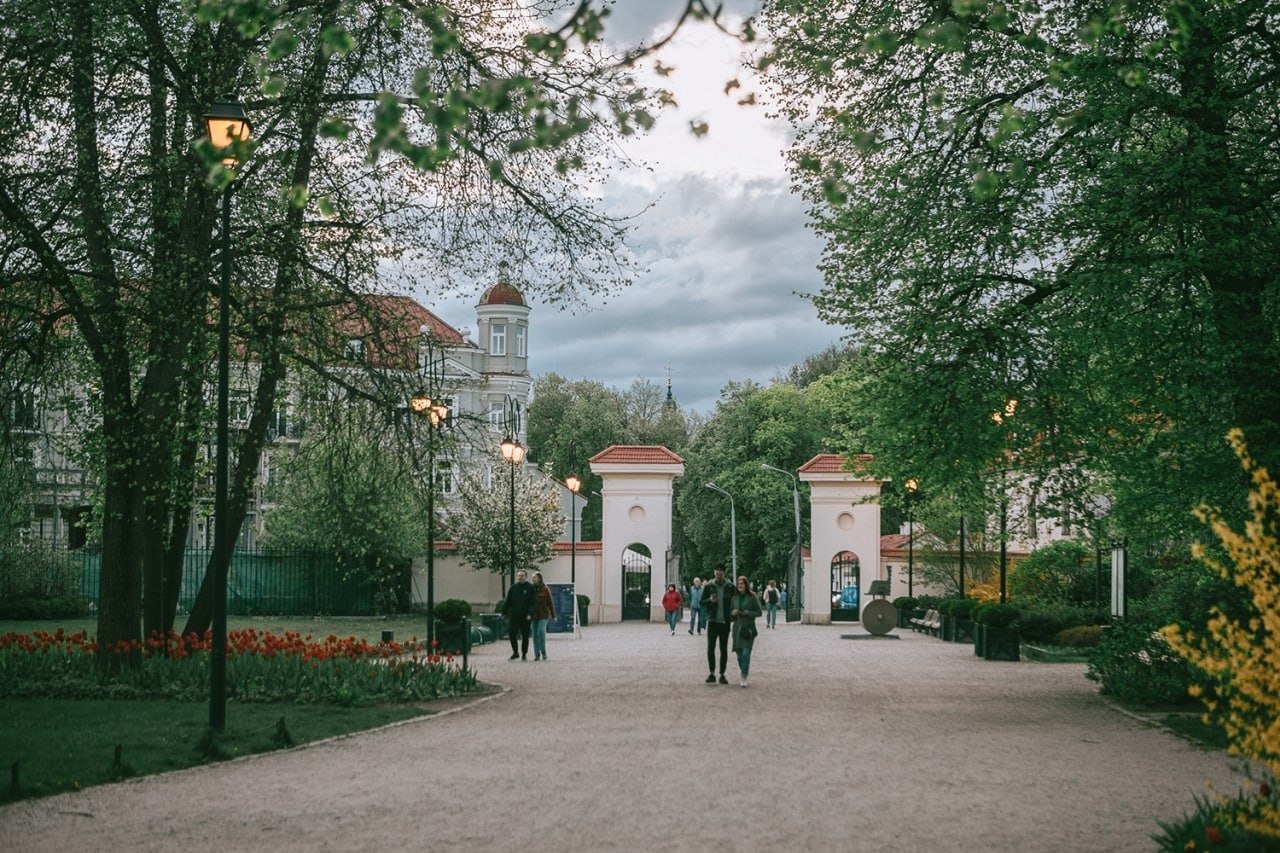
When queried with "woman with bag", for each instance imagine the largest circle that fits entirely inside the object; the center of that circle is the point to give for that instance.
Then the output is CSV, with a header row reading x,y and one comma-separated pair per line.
x,y
744,608
672,601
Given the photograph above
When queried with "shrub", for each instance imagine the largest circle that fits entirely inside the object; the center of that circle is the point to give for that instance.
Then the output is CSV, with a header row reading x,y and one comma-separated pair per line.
x,y
54,607
1042,621
38,570
945,606
1079,636
452,610
1062,571
929,602
1135,664
997,615
1224,825
906,602
962,608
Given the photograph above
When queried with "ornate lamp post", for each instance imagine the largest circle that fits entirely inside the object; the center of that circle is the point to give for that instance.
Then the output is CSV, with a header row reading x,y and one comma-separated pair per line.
x,y
436,411
912,485
574,484
513,452
733,528
227,126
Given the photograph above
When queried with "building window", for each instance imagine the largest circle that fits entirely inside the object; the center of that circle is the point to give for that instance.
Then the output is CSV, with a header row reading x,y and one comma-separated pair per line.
x,y
498,339
444,477
23,413
497,415
238,407
521,345
355,350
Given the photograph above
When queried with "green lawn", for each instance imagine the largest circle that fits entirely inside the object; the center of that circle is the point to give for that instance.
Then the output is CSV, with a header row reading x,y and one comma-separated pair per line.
x,y
66,744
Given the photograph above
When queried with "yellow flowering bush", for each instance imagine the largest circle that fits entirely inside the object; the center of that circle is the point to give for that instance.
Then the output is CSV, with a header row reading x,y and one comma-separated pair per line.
x,y
1241,656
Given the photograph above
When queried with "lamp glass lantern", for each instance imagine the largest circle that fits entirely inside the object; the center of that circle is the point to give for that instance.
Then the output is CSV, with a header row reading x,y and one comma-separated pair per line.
x,y
227,126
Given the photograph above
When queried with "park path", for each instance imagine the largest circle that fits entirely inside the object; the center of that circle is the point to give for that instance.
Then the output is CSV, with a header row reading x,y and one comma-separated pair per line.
x,y
616,743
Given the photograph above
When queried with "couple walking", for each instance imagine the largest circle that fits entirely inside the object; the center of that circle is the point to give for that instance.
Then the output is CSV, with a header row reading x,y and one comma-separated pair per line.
x,y
528,608
731,610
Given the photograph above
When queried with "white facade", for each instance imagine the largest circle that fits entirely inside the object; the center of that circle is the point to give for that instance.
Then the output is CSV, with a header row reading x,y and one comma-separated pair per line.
x,y
844,512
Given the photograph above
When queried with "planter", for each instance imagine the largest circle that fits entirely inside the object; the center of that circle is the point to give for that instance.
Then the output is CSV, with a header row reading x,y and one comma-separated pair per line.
x,y
964,630
1002,644
948,629
904,618
980,640
453,638
495,623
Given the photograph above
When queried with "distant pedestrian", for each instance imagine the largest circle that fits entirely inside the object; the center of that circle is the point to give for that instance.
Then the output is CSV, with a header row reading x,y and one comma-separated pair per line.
x,y
517,609
745,609
672,601
715,598
697,618
772,599
544,610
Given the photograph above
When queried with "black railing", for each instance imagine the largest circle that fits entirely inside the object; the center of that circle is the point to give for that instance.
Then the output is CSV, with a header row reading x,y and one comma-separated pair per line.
x,y
262,582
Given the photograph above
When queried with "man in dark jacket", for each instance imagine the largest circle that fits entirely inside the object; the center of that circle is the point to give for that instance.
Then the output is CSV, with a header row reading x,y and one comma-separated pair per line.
x,y
517,609
715,604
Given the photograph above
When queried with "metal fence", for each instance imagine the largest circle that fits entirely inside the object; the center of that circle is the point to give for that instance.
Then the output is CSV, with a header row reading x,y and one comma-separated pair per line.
x,y
260,582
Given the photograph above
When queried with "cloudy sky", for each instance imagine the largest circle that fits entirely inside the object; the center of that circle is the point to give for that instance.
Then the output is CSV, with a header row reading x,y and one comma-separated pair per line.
x,y
724,250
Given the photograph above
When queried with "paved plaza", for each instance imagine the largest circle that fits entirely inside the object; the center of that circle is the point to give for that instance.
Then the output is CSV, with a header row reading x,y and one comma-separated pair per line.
x,y
615,743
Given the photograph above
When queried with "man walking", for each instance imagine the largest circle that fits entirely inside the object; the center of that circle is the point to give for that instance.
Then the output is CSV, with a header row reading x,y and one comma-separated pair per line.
x,y
716,594
697,619
517,609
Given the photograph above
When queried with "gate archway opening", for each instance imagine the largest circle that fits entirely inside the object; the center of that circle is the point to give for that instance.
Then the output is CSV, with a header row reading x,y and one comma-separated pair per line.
x,y
845,585
637,568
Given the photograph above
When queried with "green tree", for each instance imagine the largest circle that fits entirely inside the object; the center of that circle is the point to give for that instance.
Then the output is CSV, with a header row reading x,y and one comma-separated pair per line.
x,y
348,492
1068,205
108,212
480,522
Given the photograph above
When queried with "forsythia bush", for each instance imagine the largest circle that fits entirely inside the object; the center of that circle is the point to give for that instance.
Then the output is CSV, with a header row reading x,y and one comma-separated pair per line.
x,y
1241,659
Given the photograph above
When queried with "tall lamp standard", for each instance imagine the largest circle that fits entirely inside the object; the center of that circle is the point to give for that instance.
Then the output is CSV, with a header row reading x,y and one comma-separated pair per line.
x,y
436,412
513,452
227,126
733,527
912,485
574,484
795,504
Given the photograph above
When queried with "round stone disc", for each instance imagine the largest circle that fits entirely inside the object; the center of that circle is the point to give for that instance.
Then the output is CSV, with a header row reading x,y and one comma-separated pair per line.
x,y
879,617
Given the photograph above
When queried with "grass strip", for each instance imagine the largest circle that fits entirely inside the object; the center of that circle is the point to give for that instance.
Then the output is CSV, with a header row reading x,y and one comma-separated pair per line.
x,y
66,744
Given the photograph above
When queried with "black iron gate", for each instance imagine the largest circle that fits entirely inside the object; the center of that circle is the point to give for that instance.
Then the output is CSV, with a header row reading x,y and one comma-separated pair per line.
x,y
637,566
845,587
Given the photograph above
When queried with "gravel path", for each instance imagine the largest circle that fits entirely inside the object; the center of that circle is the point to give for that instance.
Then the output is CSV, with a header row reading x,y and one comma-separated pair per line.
x,y
616,744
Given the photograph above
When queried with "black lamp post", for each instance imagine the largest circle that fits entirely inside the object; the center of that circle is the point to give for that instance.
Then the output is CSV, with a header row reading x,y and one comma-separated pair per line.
x,y
436,412
227,126
912,485
513,452
574,484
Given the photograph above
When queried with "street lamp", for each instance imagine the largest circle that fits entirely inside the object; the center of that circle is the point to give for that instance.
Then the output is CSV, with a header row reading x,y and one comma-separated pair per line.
x,y
912,485
794,574
574,484
227,125
513,452
436,411
733,527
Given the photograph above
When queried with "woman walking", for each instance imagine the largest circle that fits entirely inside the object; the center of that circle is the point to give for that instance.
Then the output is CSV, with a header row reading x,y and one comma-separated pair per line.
x,y
745,607
544,610
672,601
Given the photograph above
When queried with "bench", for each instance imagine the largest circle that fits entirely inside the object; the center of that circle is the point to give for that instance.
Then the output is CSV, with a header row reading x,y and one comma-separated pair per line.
x,y
930,623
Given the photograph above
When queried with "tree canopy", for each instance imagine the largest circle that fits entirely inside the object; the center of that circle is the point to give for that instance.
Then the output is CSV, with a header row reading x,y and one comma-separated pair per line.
x,y
1071,206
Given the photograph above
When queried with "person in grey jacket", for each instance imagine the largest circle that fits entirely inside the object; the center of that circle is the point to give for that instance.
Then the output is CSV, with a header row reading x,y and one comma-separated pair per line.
x,y
697,619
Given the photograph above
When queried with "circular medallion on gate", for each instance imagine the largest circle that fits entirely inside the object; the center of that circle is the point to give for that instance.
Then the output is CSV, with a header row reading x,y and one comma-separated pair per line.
x,y
636,513
844,521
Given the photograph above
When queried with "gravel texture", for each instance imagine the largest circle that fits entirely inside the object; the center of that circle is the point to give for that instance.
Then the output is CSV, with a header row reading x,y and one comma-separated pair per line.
x,y
615,743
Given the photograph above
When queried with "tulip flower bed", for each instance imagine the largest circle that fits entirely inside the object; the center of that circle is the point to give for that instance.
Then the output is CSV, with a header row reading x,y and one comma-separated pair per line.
x,y
261,667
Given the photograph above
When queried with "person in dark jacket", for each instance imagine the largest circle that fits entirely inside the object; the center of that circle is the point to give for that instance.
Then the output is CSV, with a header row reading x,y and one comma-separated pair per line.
x,y
517,609
715,601
544,610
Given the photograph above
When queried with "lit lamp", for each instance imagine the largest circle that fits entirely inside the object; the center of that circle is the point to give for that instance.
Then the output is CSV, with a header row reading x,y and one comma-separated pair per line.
x,y
228,128
513,452
436,413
